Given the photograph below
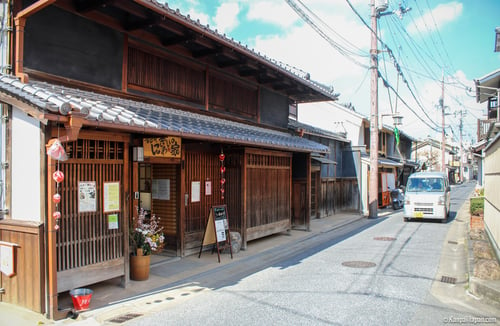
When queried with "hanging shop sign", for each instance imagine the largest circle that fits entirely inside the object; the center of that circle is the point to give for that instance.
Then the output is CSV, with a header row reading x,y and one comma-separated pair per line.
x,y
162,147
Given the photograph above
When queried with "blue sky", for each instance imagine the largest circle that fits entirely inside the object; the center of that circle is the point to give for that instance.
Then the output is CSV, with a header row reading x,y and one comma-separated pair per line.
x,y
435,38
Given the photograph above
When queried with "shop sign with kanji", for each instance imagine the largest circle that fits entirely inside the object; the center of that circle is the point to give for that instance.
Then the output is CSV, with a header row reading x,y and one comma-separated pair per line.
x,y
162,147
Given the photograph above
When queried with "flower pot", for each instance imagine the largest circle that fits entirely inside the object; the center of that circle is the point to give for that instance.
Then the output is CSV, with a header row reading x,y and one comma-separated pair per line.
x,y
139,267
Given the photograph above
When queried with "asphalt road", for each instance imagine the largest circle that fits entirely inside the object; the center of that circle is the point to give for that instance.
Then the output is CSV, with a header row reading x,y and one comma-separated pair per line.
x,y
371,272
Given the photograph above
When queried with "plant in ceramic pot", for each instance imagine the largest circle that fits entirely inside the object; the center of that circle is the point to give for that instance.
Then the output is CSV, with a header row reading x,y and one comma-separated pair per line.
x,y
146,237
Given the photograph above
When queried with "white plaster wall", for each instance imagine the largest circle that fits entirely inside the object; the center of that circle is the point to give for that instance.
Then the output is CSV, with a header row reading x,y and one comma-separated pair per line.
x,y
333,117
491,193
25,167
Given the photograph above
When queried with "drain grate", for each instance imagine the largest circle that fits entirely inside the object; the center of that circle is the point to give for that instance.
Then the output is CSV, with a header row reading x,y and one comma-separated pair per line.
x,y
384,238
453,242
359,264
123,318
448,279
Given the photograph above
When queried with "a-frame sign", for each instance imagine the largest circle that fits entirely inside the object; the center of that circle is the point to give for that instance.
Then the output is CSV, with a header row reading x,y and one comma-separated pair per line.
x,y
217,230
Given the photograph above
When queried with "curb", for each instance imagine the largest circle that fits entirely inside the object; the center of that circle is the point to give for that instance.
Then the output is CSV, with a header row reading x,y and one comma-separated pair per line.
x,y
489,291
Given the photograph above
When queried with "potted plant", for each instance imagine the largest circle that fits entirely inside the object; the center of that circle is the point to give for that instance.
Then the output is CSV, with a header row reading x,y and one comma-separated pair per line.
x,y
146,237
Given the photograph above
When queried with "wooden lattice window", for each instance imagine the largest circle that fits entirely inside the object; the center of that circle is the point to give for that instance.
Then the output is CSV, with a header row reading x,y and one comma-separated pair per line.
x,y
95,149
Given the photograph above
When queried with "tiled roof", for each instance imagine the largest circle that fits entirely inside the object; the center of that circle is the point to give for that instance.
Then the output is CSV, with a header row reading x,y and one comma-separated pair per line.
x,y
297,73
294,124
117,111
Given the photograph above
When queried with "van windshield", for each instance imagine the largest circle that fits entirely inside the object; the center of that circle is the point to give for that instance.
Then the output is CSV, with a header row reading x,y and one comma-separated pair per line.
x,y
425,184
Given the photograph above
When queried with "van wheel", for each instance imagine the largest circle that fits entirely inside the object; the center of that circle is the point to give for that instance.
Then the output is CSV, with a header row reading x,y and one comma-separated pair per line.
x,y
444,220
406,219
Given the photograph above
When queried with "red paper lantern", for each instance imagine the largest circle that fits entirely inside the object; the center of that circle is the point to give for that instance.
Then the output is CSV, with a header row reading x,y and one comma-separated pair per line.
x,y
56,215
222,157
58,176
222,181
222,169
222,190
56,198
56,226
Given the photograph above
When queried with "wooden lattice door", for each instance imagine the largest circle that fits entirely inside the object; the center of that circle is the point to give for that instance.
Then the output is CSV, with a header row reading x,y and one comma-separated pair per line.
x,y
92,234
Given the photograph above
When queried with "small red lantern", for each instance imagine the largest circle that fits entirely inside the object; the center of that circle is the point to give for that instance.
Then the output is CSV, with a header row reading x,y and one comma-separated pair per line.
x,y
222,190
56,215
222,157
56,198
58,176
222,181
222,169
56,226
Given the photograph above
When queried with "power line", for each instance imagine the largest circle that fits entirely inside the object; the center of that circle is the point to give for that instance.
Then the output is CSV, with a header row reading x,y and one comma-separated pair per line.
x,y
341,49
386,84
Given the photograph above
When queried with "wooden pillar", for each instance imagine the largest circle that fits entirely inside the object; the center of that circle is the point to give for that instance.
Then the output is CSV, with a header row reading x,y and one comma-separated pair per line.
x,y
244,236
126,211
182,201
53,311
308,191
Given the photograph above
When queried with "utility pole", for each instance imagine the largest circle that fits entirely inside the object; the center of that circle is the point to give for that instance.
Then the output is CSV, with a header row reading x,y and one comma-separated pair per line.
x,y
443,138
373,180
461,146
376,12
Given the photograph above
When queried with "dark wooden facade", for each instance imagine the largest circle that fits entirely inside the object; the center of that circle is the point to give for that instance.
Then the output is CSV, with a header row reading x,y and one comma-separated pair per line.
x,y
170,62
333,184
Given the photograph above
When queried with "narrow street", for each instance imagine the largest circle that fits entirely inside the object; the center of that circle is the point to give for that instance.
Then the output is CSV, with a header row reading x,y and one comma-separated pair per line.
x,y
371,272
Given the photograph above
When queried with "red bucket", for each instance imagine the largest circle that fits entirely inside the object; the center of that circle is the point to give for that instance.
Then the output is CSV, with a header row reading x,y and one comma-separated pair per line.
x,y
81,298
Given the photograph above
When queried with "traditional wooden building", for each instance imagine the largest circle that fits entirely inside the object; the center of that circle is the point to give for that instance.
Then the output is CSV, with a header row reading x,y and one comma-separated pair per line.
x,y
394,163
334,185
154,111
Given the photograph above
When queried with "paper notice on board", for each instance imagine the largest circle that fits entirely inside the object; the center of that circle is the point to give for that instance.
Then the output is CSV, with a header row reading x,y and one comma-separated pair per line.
x,y
86,196
220,230
113,221
161,189
195,191
111,196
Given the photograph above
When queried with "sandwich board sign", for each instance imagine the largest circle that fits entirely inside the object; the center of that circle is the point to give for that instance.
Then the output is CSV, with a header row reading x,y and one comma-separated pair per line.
x,y
217,230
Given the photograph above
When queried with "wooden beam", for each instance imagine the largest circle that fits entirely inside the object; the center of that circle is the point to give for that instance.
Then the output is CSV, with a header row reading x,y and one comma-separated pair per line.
x,y
34,8
20,22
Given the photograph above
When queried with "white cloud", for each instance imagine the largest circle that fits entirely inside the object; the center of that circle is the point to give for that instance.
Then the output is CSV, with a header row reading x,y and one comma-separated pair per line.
x,y
204,19
276,13
226,18
436,19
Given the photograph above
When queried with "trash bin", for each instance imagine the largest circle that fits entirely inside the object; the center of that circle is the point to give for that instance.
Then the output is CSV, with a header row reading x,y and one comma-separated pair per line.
x,y
81,298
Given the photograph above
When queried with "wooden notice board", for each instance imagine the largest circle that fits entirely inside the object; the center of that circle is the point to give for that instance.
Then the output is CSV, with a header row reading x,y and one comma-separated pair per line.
x,y
217,230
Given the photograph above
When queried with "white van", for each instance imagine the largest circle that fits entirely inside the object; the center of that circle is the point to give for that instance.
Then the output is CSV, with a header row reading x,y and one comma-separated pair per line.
x,y
427,195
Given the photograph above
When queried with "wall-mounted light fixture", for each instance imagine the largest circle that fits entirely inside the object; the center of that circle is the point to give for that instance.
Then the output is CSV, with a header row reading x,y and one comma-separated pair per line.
x,y
138,154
